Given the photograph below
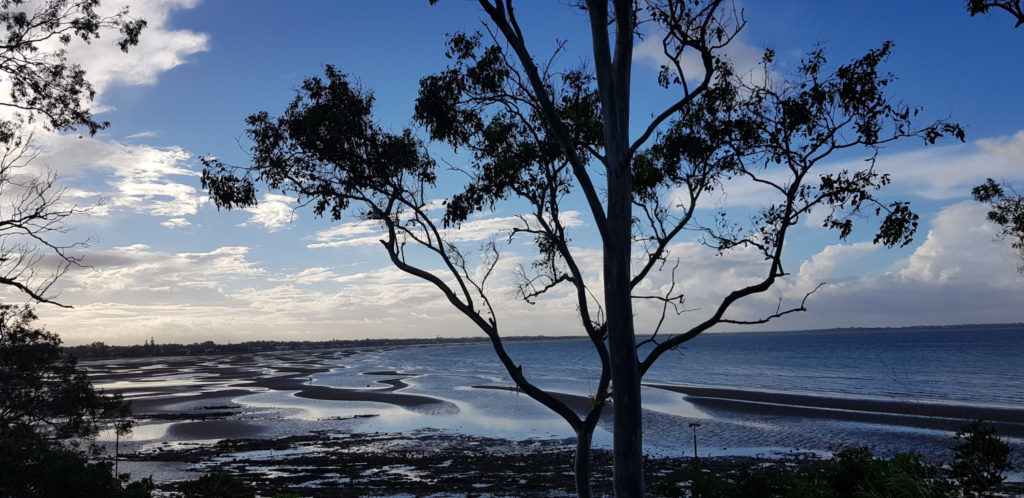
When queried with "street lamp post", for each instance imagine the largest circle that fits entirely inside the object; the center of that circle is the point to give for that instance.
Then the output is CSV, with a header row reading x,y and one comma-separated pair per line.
x,y
694,425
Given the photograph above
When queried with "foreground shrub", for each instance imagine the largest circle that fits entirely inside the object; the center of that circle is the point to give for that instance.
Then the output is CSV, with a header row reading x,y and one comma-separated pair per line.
x,y
980,463
216,485
48,411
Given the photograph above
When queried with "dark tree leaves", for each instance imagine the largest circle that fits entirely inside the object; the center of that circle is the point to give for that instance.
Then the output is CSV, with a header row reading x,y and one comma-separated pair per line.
x,y
479,104
1006,209
45,85
326,149
42,389
1013,7
47,407
793,126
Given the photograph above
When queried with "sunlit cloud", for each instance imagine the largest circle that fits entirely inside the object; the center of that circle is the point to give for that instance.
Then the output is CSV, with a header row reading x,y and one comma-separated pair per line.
x,y
139,178
160,49
360,233
310,276
128,273
142,134
937,172
274,212
175,223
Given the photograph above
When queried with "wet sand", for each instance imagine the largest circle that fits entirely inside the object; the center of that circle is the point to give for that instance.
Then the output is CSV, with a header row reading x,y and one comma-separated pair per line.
x,y
234,376
808,405
579,404
202,408
169,404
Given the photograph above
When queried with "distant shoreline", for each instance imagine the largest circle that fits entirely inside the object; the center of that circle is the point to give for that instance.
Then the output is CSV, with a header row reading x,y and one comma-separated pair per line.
x,y
104,351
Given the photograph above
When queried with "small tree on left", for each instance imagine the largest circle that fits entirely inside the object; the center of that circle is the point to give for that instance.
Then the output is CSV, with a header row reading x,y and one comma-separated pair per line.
x,y
48,407
44,89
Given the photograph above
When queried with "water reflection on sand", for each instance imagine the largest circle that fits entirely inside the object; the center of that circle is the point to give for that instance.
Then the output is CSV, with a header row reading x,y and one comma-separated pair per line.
x,y
277,394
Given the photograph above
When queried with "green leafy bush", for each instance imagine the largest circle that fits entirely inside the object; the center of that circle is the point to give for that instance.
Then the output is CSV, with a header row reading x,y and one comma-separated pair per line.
x,y
216,485
980,463
48,411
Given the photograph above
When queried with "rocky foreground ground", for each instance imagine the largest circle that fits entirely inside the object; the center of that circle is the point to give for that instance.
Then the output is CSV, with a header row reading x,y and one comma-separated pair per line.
x,y
427,463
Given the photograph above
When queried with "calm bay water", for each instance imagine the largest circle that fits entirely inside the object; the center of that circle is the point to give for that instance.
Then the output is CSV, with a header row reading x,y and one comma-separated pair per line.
x,y
974,367
968,366
980,366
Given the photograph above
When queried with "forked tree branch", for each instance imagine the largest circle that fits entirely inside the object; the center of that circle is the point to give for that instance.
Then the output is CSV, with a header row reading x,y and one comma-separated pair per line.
x,y
497,13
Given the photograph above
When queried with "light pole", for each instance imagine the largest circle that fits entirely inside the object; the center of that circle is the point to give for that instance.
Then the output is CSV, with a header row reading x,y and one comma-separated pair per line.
x,y
694,425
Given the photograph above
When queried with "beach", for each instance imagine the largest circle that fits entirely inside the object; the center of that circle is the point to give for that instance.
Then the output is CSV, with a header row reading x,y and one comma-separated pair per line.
x,y
367,421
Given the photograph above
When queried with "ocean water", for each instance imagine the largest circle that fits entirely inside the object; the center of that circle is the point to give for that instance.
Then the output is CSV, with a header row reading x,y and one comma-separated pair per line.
x,y
957,367
978,367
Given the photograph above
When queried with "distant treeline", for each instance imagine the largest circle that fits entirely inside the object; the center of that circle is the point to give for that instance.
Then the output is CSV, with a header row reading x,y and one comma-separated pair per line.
x,y
99,350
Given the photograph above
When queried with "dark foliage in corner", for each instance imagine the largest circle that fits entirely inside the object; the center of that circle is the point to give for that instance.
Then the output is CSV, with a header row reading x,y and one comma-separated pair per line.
x,y
979,466
48,412
1006,209
1013,7
46,86
216,485
981,459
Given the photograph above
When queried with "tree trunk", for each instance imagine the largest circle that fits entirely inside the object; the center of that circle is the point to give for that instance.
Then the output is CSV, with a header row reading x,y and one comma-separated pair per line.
x,y
581,467
626,403
625,372
613,66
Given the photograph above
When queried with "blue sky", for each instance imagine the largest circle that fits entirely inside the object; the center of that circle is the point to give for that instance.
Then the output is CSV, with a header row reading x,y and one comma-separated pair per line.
x,y
166,264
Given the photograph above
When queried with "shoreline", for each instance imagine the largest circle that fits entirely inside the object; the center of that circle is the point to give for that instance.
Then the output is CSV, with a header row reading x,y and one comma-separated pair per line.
x,y
778,402
432,463
195,415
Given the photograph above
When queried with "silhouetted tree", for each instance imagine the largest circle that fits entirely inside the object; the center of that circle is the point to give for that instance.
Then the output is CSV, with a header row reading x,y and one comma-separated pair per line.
x,y
976,7
540,134
47,405
981,459
45,86
30,216
1006,209
48,408
48,89
1006,204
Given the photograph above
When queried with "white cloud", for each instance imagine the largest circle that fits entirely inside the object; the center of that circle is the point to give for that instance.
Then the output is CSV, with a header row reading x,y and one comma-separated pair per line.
x,y
745,57
959,274
361,233
142,134
132,273
949,172
309,276
960,247
379,277
140,178
273,212
176,223
346,233
823,265
1009,147
935,172
160,48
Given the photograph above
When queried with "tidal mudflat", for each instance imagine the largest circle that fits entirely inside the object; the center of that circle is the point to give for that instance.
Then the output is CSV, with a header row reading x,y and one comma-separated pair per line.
x,y
442,418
